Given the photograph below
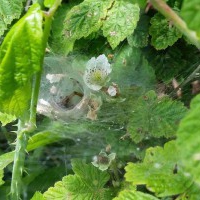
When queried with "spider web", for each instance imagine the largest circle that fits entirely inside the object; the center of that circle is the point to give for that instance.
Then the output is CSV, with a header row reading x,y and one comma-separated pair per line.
x,y
131,74
84,138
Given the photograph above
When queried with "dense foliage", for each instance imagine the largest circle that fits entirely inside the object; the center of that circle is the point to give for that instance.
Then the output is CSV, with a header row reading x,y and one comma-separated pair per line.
x,y
99,99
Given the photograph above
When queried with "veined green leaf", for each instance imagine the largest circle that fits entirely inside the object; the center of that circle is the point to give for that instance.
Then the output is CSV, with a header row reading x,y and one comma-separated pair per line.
x,y
190,12
155,117
159,171
60,43
85,18
87,183
38,196
1,176
188,140
163,33
20,58
121,21
177,61
141,34
6,118
141,3
131,68
9,10
134,195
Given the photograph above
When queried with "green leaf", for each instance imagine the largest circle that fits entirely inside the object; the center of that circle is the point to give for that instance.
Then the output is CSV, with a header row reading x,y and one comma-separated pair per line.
x,y
155,117
20,58
188,140
159,171
9,10
60,43
49,3
85,18
53,132
134,195
177,61
163,33
6,159
131,68
1,177
120,22
141,34
87,183
5,118
141,3
192,193
38,196
190,12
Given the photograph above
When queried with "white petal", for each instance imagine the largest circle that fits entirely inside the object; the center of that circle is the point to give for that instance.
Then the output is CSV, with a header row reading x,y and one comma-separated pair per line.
x,y
102,63
91,63
112,91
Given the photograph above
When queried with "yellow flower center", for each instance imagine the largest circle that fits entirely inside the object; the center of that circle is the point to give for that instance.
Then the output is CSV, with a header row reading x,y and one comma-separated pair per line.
x,y
97,77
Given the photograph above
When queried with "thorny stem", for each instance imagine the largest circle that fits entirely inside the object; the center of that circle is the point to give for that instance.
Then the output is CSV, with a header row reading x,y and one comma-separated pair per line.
x,y
163,8
20,149
25,128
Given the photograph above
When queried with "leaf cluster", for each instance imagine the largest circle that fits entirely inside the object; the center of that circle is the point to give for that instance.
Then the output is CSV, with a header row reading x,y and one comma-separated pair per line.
x,y
142,47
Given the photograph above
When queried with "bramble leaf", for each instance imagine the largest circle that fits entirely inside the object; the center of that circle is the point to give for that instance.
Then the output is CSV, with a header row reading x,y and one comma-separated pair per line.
x,y
38,196
120,22
155,117
1,176
6,118
131,68
190,12
134,195
188,140
85,18
141,34
174,62
141,3
159,171
163,33
60,43
87,183
9,10
20,58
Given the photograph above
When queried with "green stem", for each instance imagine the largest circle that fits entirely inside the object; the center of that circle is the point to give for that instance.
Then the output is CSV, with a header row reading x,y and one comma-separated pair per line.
x,y
25,128
34,100
19,158
163,8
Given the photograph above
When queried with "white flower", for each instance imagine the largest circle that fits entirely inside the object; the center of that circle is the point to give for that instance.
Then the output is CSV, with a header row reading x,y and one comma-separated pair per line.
x,y
103,160
96,73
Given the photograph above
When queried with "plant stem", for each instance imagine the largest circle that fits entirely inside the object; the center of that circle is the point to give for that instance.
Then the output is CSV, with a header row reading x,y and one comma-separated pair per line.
x,y
34,100
25,128
163,8
19,158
